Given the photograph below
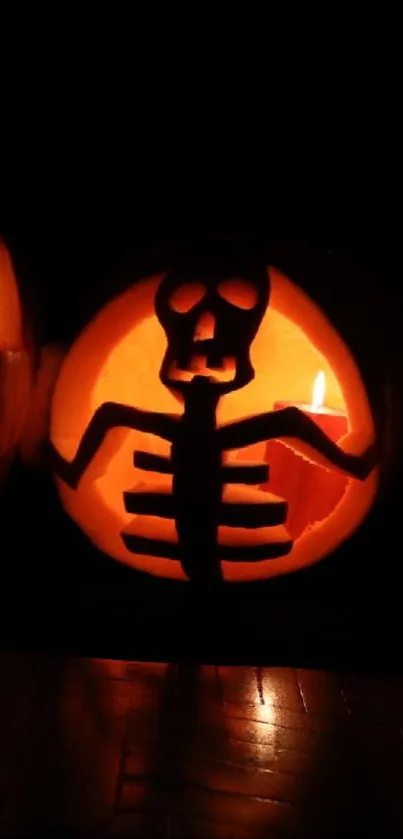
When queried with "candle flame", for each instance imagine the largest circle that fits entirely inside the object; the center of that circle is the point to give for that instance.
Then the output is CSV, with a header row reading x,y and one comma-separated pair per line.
x,y
319,390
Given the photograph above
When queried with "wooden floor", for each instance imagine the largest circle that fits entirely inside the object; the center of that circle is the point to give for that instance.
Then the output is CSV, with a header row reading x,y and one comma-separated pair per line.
x,y
108,748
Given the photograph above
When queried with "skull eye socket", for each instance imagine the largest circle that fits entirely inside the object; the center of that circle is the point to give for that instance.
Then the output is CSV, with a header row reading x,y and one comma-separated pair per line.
x,y
186,296
239,293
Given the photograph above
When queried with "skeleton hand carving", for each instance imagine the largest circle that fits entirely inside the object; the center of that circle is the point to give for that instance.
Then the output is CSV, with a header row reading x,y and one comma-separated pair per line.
x,y
293,423
107,416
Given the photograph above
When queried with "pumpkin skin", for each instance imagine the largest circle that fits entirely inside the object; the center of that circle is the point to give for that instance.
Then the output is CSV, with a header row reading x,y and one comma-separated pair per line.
x,y
35,430
118,357
15,364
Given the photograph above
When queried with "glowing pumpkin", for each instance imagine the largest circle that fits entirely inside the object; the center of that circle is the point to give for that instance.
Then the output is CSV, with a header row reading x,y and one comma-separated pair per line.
x,y
15,368
171,387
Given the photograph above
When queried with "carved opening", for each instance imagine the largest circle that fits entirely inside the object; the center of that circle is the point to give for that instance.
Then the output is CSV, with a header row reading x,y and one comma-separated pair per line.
x,y
295,352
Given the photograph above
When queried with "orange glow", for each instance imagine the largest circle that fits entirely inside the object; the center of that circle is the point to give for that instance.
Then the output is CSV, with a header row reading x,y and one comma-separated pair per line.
x,y
118,357
15,377
10,308
36,427
319,390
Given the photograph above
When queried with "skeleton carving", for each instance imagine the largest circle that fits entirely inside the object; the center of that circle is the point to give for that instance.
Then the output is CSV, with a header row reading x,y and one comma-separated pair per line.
x,y
210,320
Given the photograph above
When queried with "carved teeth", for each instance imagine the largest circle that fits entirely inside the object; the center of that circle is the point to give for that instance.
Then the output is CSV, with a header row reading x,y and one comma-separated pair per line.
x,y
198,365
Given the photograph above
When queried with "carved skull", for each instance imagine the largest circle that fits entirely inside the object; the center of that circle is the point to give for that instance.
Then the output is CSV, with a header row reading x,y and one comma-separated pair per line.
x,y
210,318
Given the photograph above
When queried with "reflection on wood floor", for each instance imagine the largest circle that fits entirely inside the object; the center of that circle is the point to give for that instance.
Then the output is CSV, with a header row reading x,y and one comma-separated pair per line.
x,y
109,748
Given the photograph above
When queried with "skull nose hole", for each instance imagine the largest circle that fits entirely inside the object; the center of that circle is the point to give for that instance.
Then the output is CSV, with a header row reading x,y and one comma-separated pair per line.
x,y
205,327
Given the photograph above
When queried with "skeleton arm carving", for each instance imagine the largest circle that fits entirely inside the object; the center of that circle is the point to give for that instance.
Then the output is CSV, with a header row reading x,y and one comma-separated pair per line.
x,y
108,416
293,423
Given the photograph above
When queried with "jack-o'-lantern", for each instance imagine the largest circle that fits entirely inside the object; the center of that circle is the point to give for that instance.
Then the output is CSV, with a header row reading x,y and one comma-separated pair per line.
x,y
175,385
15,368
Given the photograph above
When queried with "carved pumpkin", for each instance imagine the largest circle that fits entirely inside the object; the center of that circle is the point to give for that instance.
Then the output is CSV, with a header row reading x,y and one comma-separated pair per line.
x,y
173,386
15,368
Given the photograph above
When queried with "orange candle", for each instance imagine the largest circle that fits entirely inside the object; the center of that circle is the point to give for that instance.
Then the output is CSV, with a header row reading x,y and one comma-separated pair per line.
x,y
311,491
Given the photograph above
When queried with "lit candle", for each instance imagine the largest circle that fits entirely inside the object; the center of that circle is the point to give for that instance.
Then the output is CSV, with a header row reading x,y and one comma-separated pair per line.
x,y
311,491
332,421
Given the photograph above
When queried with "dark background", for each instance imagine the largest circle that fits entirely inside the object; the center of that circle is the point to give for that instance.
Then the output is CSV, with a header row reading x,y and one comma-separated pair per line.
x,y
115,134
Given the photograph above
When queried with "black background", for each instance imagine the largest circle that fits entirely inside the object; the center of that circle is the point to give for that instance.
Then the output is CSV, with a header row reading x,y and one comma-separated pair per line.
x,y
117,133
